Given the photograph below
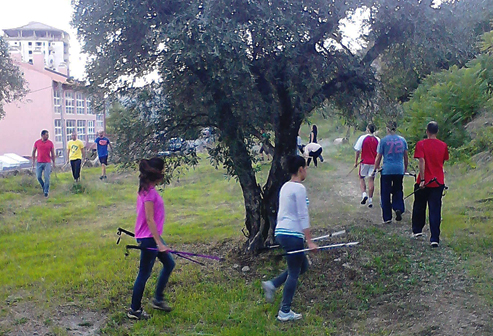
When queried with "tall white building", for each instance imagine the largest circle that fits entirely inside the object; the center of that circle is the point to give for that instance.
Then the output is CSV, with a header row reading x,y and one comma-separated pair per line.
x,y
36,37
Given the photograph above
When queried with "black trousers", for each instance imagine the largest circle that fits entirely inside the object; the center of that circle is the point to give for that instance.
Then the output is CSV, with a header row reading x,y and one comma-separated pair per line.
x,y
433,198
76,164
314,155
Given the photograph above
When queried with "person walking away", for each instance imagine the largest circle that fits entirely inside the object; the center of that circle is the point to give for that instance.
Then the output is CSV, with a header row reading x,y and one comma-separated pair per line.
x,y
314,139
102,144
366,145
313,151
43,153
432,154
264,145
293,226
393,149
75,153
148,230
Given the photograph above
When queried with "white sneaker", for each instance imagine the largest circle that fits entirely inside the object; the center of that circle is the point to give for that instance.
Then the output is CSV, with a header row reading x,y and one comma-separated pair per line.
x,y
269,290
290,316
370,203
417,235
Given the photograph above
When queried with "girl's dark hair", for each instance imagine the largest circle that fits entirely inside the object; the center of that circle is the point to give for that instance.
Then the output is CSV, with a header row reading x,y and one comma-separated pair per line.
x,y
150,171
294,163
315,133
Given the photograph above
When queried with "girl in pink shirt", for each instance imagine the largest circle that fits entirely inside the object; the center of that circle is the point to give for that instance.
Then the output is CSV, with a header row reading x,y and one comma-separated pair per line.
x,y
148,230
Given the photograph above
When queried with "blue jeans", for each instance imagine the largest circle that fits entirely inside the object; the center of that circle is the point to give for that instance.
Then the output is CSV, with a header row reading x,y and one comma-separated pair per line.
x,y
391,195
46,167
297,265
433,198
147,258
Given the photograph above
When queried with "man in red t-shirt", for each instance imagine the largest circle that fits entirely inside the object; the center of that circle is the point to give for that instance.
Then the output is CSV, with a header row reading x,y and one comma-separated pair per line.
x,y
431,153
366,146
46,154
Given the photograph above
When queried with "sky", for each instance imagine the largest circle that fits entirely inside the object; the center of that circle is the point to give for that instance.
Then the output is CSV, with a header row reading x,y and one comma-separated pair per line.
x,y
55,13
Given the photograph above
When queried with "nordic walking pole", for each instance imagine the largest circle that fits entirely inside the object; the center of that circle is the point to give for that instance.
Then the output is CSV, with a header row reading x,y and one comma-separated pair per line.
x,y
334,234
327,247
431,181
354,168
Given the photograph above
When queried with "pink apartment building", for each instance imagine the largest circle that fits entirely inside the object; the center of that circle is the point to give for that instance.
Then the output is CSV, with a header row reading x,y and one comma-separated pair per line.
x,y
55,102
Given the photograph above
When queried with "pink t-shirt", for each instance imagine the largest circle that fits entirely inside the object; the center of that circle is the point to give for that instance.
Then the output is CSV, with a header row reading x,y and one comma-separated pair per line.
x,y
44,149
141,228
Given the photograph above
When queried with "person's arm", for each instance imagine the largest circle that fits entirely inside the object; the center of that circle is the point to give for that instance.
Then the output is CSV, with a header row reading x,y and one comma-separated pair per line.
x,y
111,147
421,165
34,155
309,242
378,160
406,160
149,209
53,157
356,162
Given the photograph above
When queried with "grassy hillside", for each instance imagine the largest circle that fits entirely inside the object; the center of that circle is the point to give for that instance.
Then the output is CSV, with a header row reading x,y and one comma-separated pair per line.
x,y
62,273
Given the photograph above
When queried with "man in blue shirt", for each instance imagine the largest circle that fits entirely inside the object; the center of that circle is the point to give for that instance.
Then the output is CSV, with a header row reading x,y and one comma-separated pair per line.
x,y
393,148
102,143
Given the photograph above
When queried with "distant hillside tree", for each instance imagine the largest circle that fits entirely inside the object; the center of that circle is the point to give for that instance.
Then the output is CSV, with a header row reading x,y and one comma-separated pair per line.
x,y
12,84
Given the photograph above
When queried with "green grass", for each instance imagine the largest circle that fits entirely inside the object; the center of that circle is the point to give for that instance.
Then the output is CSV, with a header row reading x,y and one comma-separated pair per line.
x,y
62,250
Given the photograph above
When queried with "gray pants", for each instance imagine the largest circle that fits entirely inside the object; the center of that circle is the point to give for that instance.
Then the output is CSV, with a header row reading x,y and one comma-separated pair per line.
x,y
46,167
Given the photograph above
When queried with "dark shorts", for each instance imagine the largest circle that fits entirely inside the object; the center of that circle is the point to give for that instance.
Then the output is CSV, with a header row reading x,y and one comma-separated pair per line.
x,y
104,160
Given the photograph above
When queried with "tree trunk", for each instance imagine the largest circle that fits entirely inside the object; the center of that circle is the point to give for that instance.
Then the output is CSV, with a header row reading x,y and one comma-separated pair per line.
x,y
286,125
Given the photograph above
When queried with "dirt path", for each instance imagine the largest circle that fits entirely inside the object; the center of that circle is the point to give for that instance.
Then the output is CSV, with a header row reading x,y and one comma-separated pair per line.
x,y
440,300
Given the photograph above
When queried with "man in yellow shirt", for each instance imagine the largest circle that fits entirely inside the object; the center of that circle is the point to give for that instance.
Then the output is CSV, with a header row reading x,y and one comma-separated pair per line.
x,y
75,153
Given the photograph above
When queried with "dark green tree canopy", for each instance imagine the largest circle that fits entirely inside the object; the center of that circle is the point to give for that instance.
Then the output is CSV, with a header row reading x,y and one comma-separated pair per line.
x,y
247,65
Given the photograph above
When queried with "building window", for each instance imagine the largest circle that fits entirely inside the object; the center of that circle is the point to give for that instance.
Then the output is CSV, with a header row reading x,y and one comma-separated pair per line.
x,y
69,102
58,130
80,103
89,106
100,120
91,131
81,130
29,43
70,128
38,44
57,101
59,152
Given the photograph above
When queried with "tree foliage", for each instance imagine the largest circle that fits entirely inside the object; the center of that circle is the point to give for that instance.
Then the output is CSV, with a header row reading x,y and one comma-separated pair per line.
x,y
12,84
246,65
452,98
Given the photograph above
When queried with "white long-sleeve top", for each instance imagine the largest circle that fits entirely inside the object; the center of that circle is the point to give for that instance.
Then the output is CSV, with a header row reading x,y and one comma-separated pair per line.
x,y
292,217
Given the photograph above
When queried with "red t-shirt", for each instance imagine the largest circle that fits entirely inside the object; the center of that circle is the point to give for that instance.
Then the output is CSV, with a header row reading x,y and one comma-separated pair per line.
x,y
435,153
44,149
367,145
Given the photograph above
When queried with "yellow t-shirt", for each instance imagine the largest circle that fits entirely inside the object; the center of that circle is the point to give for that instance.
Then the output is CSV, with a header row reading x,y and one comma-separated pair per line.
x,y
75,147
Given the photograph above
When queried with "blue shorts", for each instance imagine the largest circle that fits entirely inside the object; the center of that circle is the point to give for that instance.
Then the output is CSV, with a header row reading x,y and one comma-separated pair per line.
x,y
104,160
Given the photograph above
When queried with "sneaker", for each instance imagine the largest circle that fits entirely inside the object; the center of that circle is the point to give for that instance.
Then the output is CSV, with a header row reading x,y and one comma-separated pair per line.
x,y
388,221
101,177
417,235
160,305
137,314
105,177
434,244
370,203
269,290
398,215
46,195
364,199
291,316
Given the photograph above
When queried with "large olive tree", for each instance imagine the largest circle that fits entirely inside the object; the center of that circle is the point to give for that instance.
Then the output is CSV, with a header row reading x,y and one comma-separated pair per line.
x,y
243,66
